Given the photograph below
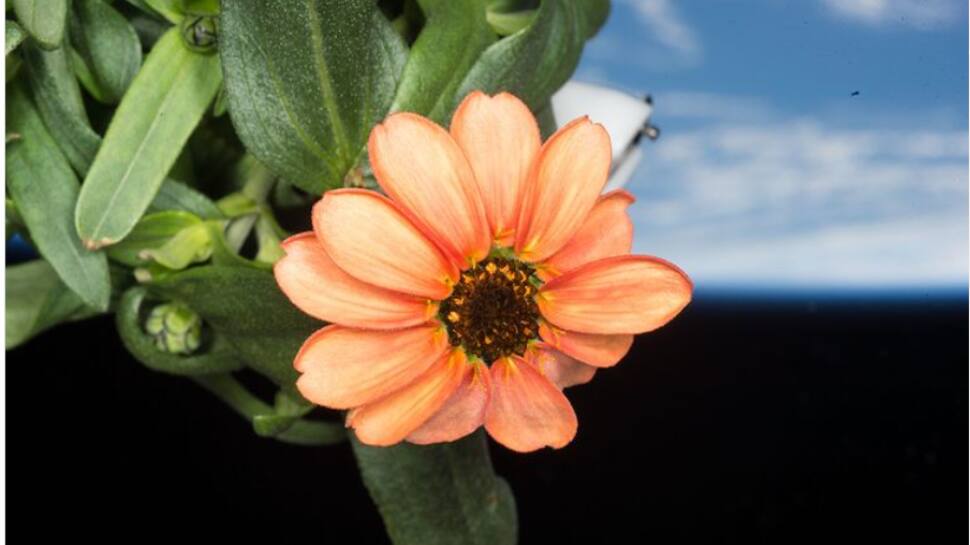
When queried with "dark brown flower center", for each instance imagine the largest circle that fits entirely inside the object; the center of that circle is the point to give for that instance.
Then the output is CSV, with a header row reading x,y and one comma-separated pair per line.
x,y
492,310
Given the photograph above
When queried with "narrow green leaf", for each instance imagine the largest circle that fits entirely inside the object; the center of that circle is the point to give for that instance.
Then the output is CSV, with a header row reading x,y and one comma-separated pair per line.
x,y
175,195
108,46
146,134
60,105
13,36
45,190
37,300
43,19
215,356
533,63
443,494
306,80
298,431
454,35
246,306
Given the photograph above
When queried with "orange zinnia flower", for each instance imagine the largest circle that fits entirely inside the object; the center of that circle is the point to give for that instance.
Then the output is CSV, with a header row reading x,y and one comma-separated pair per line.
x,y
491,276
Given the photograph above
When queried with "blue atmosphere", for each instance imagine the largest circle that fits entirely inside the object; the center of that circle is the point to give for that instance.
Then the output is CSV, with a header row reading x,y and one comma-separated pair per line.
x,y
805,145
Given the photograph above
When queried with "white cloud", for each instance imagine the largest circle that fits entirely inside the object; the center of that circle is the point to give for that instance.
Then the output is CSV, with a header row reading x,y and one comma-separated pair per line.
x,y
922,14
712,106
662,19
796,202
664,41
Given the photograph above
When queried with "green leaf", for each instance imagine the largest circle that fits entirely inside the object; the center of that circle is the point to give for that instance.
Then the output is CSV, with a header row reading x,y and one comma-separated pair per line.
x,y
533,63
443,494
245,305
216,356
596,12
169,9
13,36
509,23
108,47
60,105
37,300
306,80
45,190
12,67
175,195
146,134
153,232
546,120
43,19
454,35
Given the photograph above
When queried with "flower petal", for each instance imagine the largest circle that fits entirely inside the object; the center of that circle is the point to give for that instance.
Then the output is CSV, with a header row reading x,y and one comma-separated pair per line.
x,y
390,419
607,232
526,411
564,371
368,237
625,294
462,414
317,286
500,138
345,367
420,166
590,348
564,184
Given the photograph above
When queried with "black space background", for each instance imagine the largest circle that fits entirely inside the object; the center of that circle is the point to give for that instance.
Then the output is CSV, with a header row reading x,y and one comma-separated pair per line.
x,y
808,419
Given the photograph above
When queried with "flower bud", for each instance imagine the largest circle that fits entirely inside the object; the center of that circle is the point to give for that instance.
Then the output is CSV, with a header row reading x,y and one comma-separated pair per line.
x,y
200,32
177,329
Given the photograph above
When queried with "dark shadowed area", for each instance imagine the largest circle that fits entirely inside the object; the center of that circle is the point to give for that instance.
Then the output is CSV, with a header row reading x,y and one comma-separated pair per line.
x,y
801,418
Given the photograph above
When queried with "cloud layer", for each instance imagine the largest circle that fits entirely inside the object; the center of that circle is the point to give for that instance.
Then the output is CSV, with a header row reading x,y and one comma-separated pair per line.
x,y
796,202
921,14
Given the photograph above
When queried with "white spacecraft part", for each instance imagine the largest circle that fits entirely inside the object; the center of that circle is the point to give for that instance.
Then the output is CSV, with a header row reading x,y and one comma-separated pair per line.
x,y
625,116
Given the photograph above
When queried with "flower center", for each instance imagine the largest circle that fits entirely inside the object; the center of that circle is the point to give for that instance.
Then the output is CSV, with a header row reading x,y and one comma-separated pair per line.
x,y
492,311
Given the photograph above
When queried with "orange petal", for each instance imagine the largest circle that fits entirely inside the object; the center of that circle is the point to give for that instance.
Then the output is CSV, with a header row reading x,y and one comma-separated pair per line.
x,y
500,138
526,411
420,166
563,186
462,414
344,367
625,294
368,237
607,232
390,419
564,371
317,286
596,350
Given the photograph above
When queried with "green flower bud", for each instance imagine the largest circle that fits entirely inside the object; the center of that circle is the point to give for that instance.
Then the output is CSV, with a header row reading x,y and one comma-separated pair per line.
x,y
177,329
199,33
